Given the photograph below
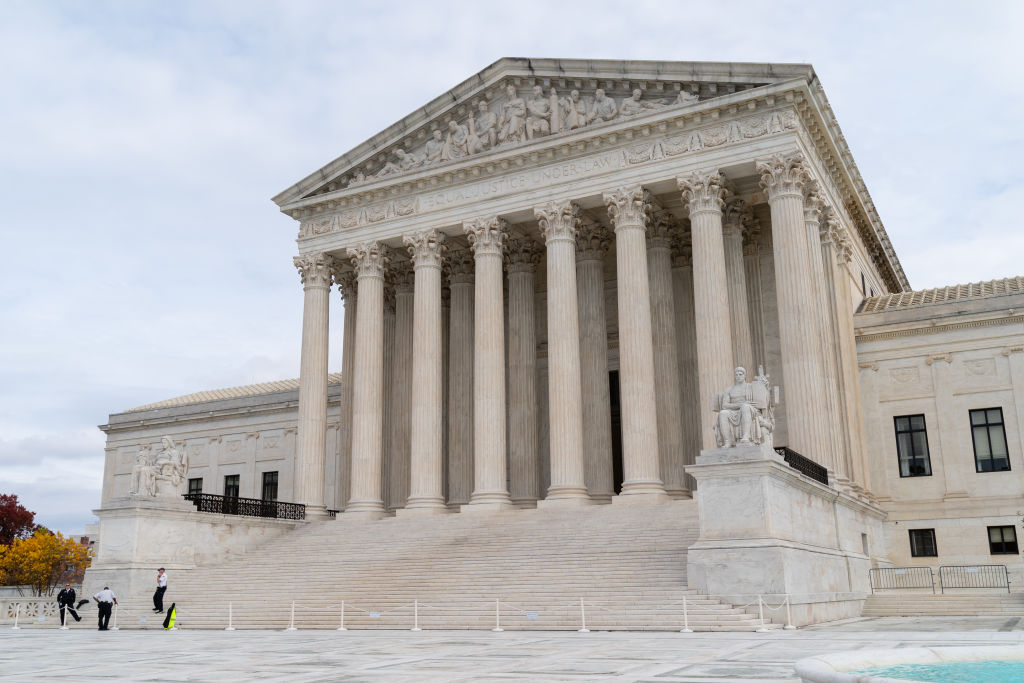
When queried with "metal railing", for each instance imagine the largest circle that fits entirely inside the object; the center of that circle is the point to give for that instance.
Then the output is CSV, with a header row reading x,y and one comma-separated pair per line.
x,y
803,465
246,507
974,576
901,578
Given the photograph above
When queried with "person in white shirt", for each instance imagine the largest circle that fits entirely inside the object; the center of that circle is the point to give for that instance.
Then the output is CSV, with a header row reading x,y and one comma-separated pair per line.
x,y
106,600
161,588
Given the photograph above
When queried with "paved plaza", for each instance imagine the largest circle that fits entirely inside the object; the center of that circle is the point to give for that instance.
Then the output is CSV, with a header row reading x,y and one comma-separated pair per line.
x,y
83,654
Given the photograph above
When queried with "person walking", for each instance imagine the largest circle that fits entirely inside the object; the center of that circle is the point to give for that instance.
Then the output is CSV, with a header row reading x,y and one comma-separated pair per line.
x,y
161,588
66,601
106,600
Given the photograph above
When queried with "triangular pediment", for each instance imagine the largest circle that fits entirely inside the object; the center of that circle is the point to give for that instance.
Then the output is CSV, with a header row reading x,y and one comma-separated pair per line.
x,y
518,102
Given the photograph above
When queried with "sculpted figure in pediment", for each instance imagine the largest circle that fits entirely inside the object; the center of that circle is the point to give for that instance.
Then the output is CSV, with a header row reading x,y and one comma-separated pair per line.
x,y
483,129
686,98
538,122
456,145
603,108
434,149
573,111
513,117
631,106
405,161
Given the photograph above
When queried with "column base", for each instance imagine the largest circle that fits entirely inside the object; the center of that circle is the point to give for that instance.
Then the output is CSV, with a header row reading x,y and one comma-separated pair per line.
x,y
495,501
641,493
562,503
679,494
367,509
316,513
423,507
565,497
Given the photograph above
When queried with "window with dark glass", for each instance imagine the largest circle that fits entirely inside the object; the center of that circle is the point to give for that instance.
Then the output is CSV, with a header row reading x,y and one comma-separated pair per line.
x,y
269,486
989,436
231,486
922,543
195,485
1002,540
912,446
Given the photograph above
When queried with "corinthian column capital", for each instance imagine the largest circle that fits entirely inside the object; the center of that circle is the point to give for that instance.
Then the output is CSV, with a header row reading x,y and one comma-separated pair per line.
x,y
592,241
370,259
703,191
486,235
629,207
558,220
736,214
782,174
682,248
460,266
522,253
427,248
346,281
315,270
663,226
813,203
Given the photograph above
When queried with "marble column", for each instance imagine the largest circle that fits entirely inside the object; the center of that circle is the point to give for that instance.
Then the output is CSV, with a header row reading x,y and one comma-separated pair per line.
x,y
390,324
315,271
365,500
736,279
629,209
559,222
784,177
666,358
691,407
426,485
704,196
752,267
460,377
347,286
397,479
490,491
592,242
522,254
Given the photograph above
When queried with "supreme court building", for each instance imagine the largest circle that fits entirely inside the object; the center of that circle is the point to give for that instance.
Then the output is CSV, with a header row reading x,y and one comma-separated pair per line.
x,y
550,276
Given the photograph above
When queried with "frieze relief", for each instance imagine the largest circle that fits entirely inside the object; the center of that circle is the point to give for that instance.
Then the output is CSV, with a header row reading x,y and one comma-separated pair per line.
x,y
671,146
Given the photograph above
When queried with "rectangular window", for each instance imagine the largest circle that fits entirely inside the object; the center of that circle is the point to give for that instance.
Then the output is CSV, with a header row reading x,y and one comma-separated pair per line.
x,y
269,486
912,446
989,436
231,486
922,543
195,485
1002,540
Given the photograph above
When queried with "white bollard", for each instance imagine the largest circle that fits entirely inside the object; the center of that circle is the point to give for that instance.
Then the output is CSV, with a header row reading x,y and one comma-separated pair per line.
x,y
583,619
497,616
341,625
17,613
63,612
415,615
686,619
291,622
115,628
760,611
230,615
789,617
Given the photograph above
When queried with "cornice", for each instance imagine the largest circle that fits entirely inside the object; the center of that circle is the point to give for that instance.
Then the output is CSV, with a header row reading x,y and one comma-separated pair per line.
x,y
862,337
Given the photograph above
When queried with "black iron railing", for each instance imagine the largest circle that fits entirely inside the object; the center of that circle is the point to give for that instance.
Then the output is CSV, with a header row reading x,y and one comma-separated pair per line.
x,y
246,507
901,578
803,465
974,576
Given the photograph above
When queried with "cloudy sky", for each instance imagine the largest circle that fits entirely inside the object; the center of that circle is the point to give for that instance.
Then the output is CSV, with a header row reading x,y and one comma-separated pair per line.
x,y
140,143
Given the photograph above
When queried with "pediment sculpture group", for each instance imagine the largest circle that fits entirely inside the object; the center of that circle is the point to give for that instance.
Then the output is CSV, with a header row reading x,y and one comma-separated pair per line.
x,y
161,473
745,412
520,119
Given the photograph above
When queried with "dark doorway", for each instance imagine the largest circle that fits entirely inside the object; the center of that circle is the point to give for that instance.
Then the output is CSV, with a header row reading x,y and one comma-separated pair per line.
x,y
613,391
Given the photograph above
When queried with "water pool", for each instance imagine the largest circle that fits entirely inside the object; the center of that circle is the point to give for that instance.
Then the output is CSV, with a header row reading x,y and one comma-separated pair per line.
x,y
986,671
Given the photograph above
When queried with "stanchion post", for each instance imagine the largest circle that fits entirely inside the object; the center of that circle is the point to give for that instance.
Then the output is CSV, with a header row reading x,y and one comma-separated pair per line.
x,y
230,617
583,619
416,615
17,613
497,616
62,613
341,624
760,612
115,627
291,622
789,616
686,618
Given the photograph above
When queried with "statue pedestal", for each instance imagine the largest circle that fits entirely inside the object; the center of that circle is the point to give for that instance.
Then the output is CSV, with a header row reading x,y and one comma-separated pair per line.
x,y
766,529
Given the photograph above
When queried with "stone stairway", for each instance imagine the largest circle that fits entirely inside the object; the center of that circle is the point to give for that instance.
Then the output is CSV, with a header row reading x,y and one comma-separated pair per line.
x,y
980,603
626,563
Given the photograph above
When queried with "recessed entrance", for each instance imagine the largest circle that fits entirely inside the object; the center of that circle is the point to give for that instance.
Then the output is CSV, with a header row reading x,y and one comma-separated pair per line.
x,y
613,391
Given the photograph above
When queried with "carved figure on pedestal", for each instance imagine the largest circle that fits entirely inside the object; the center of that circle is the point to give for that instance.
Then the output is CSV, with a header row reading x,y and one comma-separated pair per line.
x,y
144,473
513,117
483,129
745,412
573,111
456,145
434,148
603,108
162,474
539,120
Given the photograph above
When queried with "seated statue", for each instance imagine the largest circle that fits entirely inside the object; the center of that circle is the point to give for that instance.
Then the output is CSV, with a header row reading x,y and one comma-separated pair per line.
x,y
745,412
170,467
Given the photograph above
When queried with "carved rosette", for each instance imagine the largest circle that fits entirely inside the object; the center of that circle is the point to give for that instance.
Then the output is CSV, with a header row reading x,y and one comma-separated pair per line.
x,y
783,174
370,259
486,235
663,226
629,207
427,248
813,203
559,221
703,191
522,253
346,281
315,270
682,248
592,241
460,266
